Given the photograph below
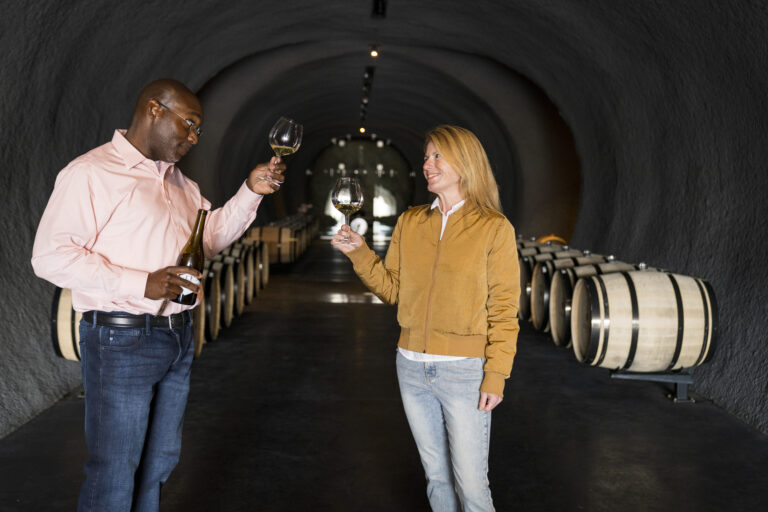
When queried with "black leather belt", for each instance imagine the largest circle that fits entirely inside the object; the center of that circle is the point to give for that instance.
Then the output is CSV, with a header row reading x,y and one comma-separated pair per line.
x,y
117,319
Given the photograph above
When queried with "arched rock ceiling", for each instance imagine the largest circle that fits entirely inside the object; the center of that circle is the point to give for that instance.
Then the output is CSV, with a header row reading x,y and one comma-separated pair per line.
x,y
327,103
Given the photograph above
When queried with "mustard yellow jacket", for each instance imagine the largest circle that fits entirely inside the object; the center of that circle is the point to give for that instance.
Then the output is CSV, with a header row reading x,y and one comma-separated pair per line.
x,y
456,296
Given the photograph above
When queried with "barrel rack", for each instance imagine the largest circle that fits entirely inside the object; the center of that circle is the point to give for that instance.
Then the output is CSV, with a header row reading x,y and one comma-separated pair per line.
x,y
679,379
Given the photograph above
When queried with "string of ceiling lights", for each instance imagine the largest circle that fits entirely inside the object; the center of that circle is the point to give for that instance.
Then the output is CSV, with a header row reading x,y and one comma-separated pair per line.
x,y
379,10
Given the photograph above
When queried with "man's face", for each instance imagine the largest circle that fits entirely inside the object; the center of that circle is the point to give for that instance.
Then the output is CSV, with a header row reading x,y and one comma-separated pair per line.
x,y
174,131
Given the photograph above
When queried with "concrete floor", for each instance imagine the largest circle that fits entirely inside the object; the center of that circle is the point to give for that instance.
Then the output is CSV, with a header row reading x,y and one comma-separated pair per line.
x,y
296,408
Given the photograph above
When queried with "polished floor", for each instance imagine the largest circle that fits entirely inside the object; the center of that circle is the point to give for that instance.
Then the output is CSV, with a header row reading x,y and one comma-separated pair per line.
x,y
296,408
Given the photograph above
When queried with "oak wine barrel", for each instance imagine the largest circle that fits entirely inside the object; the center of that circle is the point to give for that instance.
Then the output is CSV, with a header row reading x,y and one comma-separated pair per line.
x,y
246,252
523,242
282,244
227,289
542,280
264,263
198,320
527,260
212,287
643,321
65,325
256,267
561,293
235,259
552,238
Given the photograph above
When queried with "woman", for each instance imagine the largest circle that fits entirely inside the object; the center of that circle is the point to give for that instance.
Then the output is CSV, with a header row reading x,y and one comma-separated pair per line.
x,y
452,269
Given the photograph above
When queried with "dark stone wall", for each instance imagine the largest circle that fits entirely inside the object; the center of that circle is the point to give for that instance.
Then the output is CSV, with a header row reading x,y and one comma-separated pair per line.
x,y
665,102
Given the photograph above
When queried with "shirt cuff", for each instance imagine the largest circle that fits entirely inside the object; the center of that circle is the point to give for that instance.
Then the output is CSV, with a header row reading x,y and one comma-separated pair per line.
x,y
246,194
133,283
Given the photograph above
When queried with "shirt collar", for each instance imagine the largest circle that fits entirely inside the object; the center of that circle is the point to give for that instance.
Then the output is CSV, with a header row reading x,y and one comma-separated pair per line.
x,y
133,157
436,204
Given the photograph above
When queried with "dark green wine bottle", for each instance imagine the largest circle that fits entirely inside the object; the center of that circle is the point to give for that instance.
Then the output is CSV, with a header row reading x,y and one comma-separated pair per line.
x,y
192,256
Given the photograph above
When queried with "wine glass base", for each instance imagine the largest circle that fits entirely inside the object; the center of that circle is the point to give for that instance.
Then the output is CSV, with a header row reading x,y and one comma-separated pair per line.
x,y
267,179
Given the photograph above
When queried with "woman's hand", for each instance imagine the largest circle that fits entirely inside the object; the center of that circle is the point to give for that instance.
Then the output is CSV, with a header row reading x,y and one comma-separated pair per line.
x,y
488,401
355,240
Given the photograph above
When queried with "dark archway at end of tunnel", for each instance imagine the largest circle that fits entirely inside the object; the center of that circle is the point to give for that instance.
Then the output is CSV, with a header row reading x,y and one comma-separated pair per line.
x,y
528,143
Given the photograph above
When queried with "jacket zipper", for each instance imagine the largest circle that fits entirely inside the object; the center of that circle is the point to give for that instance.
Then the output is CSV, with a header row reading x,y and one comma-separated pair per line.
x,y
429,296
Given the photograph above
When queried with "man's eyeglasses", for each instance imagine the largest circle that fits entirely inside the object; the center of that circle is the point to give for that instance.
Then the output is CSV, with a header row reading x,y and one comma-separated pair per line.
x,y
191,126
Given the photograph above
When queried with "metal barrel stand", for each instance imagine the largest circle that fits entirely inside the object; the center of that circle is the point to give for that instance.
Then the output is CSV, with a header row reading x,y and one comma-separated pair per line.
x,y
680,380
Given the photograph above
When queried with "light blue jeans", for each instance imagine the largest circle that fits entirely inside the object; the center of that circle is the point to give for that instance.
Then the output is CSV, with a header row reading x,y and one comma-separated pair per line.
x,y
136,385
452,435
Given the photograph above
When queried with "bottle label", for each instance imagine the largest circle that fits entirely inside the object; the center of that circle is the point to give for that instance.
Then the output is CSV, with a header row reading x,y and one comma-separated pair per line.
x,y
191,279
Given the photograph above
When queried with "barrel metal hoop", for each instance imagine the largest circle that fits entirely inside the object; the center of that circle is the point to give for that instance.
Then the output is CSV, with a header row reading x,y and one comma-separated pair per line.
x,y
597,268
54,321
74,327
547,277
712,320
635,321
604,323
568,292
703,293
680,322
529,263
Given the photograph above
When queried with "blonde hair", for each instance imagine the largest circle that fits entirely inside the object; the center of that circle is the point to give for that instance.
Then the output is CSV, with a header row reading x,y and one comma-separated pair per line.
x,y
466,155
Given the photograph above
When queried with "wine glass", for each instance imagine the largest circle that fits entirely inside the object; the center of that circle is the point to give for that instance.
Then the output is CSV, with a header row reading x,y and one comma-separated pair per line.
x,y
347,197
284,139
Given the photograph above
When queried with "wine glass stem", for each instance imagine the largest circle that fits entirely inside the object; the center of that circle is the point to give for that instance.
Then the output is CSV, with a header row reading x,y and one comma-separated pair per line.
x,y
346,221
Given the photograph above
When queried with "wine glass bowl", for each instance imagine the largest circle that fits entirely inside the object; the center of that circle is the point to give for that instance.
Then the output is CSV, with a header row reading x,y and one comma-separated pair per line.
x,y
347,197
284,139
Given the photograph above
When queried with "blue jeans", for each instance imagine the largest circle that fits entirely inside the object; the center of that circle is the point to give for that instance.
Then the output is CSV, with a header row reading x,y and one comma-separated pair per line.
x,y
452,435
136,385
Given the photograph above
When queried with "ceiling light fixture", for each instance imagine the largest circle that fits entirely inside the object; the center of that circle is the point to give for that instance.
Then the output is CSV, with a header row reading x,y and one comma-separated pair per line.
x,y
379,9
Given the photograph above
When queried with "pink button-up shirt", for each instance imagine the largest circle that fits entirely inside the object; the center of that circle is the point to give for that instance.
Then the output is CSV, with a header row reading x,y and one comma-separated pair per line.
x,y
115,216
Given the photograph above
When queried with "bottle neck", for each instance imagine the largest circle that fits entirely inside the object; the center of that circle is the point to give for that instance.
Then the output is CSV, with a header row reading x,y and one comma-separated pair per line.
x,y
197,231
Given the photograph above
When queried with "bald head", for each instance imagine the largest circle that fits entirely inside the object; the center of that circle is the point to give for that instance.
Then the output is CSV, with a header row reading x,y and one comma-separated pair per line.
x,y
165,120
165,90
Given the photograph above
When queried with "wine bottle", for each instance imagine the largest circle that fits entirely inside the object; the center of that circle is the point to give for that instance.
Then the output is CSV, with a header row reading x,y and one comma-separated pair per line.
x,y
192,256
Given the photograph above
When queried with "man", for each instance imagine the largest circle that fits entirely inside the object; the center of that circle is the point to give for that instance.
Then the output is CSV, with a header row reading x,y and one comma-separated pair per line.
x,y
114,226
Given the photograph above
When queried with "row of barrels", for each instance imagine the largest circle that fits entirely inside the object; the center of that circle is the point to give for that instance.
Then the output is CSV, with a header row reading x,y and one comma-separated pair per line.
x,y
231,280
288,238
614,314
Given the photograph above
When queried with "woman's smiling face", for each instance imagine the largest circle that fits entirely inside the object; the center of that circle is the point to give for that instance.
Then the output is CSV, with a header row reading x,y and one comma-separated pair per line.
x,y
441,178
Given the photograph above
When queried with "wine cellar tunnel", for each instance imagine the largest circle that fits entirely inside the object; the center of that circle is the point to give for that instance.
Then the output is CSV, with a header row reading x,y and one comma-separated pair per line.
x,y
631,129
